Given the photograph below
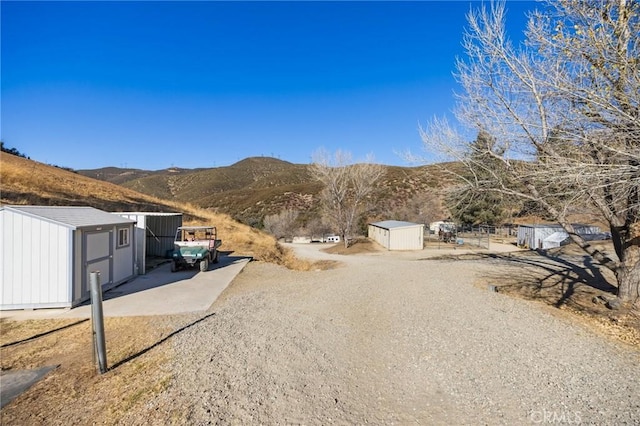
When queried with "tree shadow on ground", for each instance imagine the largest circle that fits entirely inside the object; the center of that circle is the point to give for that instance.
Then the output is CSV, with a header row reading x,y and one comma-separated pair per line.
x,y
567,280
560,281
572,282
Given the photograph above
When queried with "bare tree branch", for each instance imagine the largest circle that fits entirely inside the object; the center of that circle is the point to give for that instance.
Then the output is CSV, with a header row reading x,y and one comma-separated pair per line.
x,y
346,188
563,109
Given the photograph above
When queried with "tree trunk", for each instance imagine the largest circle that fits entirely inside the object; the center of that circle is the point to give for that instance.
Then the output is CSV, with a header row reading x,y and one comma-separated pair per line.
x,y
345,240
628,277
628,273
626,241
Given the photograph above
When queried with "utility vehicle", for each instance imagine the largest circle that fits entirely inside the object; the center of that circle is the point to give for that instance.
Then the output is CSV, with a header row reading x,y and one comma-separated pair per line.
x,y
195,245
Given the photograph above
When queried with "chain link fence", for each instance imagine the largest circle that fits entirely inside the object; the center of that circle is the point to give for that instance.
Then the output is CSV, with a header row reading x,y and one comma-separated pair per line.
x,y
467,236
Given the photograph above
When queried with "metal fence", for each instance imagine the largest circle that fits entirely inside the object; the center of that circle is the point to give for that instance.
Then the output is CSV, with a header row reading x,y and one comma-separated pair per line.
x,y
462,237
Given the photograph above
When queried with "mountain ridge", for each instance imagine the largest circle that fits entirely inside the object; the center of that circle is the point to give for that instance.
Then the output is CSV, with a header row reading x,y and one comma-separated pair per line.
x,y
254,187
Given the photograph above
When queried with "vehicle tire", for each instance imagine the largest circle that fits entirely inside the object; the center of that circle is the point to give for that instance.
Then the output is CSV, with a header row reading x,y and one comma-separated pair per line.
x,y
216,257
204,265
174,267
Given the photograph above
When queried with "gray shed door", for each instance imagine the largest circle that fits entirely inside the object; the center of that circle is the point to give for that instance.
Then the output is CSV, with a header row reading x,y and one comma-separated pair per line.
x,y
98,256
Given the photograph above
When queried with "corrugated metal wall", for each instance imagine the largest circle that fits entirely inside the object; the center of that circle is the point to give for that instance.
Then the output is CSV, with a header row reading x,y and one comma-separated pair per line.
x,y
161,231
532,236
154,234
410,238
36,263
405,238
379,235
526,236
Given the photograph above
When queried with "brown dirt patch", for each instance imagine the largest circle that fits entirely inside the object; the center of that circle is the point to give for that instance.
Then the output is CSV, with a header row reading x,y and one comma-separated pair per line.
x,y
360,246
137,360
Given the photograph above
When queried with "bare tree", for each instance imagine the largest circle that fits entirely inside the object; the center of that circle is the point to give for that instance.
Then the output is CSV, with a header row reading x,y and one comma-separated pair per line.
x,y
281,225
424,207
346,190
563,112
318,228
479,207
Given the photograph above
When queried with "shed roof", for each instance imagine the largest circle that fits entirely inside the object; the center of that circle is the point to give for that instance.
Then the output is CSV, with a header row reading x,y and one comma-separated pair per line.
x,y
557,237
394,224
72,217
550,225
149,213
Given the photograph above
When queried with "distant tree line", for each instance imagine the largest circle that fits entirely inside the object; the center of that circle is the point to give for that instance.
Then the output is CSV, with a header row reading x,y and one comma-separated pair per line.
x,y
12,151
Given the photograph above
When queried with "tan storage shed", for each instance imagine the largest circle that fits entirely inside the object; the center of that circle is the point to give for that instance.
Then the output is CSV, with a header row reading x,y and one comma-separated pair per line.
x,y
397,235
47,254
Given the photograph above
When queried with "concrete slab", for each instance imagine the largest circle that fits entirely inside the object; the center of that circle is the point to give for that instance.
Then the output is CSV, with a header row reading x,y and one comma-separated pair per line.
x,y
159,292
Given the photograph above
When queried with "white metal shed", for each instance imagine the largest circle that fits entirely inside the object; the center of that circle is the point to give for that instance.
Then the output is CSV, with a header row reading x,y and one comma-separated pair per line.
x,y
47,254
155,234
534,236
397,235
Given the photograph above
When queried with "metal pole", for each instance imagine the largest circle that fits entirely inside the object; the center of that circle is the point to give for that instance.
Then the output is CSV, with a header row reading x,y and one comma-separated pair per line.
x,y
97,321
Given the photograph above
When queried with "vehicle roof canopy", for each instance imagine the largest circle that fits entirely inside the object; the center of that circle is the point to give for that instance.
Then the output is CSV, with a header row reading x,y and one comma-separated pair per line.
x,y
195,228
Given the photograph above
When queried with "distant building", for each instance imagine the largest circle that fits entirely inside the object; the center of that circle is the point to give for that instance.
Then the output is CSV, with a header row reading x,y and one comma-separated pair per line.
x,y
301,240
444,225
397,235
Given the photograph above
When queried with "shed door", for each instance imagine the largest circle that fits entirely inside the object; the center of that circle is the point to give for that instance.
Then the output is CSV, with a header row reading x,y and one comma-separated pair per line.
x,y
98,256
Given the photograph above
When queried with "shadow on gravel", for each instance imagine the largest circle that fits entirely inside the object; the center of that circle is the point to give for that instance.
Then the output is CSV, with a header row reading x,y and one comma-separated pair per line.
x,y
572,280
558,281
159,342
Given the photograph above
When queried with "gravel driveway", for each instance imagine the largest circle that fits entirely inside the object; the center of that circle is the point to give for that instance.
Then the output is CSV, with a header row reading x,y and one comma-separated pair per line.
x,y
391,338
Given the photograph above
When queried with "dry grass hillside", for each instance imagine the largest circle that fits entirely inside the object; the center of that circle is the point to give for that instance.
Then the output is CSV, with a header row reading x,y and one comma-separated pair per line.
x,y
28,182
255,187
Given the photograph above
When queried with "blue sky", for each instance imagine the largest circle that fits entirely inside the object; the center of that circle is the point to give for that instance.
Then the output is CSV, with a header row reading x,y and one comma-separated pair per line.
x,y
152,85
